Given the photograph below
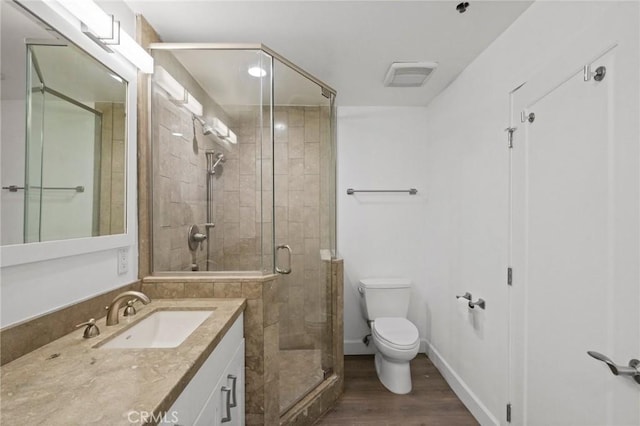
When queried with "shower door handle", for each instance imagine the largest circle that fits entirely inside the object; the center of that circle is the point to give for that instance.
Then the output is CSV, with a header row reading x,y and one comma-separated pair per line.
x,y
284,271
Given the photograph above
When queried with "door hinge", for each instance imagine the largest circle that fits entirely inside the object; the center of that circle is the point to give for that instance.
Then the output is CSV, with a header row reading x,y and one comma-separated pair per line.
x,y
509,276
510,131
509,413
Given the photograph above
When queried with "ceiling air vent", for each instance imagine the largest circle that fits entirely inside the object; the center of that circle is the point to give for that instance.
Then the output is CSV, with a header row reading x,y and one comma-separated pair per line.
x,y
409,74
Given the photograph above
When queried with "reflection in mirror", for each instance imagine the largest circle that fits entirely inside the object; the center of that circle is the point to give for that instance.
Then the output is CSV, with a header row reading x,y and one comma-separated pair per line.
x,y
63,137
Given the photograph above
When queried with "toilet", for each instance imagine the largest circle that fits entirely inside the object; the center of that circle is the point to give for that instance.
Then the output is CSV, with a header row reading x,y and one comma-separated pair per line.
x,y
385,304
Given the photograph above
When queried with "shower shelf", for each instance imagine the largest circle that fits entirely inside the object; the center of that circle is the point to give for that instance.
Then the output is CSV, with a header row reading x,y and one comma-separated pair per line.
x,y
411,191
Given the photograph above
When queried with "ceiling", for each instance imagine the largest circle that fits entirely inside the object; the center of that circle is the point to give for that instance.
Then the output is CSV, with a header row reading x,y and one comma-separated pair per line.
x,y
347,44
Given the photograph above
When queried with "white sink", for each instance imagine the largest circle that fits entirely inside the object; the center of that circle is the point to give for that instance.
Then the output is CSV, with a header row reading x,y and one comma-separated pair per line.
x,y
162,329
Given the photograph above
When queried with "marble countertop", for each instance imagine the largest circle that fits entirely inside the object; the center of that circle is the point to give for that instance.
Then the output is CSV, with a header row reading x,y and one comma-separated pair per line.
x,y
71,382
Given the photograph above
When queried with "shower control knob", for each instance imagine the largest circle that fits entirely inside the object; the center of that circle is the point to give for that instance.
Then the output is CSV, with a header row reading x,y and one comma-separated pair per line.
x,y
198,237
195,237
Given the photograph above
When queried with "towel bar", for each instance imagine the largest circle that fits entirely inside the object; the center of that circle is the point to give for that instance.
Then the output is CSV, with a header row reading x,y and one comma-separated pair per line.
x,y
411,191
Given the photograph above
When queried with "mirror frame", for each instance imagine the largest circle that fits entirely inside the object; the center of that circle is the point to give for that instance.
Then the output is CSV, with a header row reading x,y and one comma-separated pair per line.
x,y
55,16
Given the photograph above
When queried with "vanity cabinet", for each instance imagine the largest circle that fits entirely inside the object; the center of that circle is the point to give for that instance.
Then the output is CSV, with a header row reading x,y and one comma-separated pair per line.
x,y
215,395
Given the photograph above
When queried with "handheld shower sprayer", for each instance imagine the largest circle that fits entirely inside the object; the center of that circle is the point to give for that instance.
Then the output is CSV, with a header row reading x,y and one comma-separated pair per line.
x,y
219,159
213,159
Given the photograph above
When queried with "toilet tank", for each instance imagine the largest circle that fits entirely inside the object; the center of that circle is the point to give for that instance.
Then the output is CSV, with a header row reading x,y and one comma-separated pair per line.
x,y
384,297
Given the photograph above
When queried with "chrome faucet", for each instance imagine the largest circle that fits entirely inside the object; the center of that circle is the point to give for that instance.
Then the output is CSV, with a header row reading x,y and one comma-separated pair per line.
x,y
112,309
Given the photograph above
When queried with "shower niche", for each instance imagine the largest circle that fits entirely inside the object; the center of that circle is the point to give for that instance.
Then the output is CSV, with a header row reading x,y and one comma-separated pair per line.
x,y
243,185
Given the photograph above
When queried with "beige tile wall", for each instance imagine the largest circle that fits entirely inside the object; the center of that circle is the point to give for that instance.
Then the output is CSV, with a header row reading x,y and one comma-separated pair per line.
x,y
242,210
180,186
179,189
302,155
112,169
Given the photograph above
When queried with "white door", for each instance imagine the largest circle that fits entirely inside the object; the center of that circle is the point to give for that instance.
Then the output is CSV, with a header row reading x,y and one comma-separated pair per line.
x,y
575,244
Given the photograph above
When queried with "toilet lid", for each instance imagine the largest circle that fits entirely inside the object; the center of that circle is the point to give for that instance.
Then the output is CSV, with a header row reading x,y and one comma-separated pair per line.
x,y
396,331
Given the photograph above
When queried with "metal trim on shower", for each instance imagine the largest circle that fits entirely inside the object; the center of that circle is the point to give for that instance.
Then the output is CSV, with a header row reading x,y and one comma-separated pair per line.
x,y
243,46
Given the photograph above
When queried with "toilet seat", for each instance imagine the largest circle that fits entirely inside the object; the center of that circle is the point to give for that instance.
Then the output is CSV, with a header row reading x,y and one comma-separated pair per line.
x,y
396,333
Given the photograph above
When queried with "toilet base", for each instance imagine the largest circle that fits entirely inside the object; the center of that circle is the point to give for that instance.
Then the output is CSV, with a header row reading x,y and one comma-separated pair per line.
x,y
395,376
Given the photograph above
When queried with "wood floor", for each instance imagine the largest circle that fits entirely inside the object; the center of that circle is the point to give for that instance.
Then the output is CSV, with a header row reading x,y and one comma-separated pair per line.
x,y
367,403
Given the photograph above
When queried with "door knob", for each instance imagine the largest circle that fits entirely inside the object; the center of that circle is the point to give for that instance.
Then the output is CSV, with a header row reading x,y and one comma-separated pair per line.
x,y
632,370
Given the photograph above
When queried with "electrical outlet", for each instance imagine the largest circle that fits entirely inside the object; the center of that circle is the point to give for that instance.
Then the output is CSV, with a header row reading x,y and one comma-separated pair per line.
x,y
123,260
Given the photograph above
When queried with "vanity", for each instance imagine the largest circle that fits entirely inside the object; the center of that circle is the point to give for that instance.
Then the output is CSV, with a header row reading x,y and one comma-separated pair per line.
x,y
74,380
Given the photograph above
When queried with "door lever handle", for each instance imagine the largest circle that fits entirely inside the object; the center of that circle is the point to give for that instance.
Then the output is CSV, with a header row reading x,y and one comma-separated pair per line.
x,y
632,370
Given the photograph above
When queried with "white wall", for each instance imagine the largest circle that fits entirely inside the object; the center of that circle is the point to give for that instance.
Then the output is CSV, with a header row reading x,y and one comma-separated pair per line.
x,y
381,235
76,269
70,133
466,218
12,171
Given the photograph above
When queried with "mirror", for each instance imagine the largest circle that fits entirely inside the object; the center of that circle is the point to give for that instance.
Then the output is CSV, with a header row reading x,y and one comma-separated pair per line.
x,y
63,145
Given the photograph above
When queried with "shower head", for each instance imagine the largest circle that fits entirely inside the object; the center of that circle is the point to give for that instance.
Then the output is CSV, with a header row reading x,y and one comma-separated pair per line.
x,y
206,129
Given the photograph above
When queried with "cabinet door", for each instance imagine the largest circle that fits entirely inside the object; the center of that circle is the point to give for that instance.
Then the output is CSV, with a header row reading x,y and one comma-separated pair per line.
x,y
225,405
234,377
181,412
210,414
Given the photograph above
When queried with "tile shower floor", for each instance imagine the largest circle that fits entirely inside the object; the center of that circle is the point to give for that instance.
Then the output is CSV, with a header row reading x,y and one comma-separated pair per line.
x,y
300,371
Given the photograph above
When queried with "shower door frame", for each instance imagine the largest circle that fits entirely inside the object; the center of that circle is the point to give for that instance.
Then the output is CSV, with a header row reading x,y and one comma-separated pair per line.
x,y
330,91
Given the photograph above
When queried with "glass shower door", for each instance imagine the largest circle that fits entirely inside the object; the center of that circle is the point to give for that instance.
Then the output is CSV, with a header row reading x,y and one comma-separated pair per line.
x,y
304,171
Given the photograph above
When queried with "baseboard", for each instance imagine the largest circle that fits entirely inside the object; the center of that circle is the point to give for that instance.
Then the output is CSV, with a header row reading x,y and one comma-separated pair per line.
x,y
466,395
357,347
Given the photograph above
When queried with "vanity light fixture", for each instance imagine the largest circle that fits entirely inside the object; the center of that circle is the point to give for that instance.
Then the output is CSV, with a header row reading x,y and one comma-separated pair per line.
x,y
223,132
220,128
170,85
106,32
93,20
177,93
232,138
180,96
134,53
193,105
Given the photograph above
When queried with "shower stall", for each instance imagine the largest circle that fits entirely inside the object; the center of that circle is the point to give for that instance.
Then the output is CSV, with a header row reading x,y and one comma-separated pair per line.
x,y
243,148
